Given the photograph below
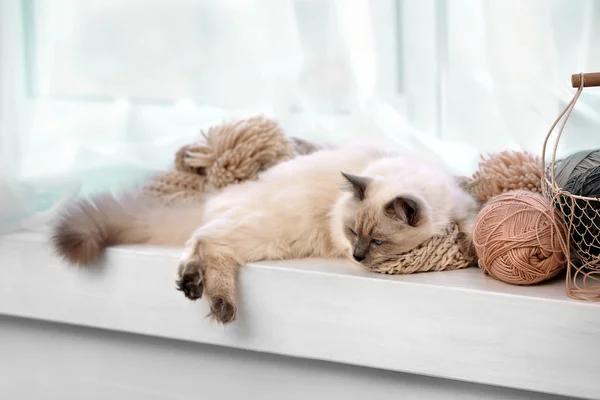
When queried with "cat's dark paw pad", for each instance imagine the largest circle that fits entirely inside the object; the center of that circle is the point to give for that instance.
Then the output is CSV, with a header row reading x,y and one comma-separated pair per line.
x,y
466,245
191,285
222,310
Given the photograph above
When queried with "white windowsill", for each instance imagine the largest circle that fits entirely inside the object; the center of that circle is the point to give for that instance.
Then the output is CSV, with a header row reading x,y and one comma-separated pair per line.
x,y
459,325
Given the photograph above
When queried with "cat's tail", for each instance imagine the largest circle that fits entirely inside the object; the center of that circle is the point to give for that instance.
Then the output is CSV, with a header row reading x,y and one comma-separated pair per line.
x,y
86,227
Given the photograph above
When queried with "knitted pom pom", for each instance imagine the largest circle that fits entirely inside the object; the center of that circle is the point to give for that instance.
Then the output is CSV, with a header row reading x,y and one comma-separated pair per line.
x,y
228,153
238,151
505,171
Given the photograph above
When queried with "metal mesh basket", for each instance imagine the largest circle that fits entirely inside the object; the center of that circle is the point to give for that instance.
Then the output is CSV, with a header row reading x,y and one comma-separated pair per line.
x,y
582,244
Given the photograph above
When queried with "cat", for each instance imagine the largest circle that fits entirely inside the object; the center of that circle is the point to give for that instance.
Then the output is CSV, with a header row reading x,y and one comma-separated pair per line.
x,y
356,202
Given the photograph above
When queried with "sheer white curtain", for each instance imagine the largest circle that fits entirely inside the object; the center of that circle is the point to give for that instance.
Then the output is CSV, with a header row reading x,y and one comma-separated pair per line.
x,y
16,201
509,68
96,94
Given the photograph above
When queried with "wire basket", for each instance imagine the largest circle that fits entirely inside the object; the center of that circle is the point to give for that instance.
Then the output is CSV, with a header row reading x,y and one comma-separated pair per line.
x,y
582,244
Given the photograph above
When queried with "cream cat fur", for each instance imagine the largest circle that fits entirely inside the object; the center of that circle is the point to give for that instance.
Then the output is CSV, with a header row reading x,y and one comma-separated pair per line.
x,y
392,202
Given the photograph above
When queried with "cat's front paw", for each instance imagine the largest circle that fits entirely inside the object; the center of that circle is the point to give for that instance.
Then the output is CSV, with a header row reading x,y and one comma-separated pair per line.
x,y
191,282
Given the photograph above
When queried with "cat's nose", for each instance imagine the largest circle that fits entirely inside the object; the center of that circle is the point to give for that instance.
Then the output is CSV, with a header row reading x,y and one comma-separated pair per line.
x,y
358,257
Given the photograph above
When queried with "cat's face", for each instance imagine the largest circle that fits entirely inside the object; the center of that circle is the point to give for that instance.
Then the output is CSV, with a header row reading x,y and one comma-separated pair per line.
x,y
379,228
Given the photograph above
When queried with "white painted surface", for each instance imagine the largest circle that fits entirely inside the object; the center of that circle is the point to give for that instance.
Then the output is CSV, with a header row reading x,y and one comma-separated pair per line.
x,y
47,361
457,325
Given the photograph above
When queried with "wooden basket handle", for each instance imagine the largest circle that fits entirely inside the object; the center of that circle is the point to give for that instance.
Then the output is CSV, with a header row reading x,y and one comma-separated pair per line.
x,y
590,79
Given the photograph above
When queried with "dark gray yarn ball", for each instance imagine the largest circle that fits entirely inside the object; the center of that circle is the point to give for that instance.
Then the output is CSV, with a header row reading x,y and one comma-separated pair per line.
x,y
575,164
585,214
586,183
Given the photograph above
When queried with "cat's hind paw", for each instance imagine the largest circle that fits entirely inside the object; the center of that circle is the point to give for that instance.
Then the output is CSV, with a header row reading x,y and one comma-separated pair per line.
x,y
222,310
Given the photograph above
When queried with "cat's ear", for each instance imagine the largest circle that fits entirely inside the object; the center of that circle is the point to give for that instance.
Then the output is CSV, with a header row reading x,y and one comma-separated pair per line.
x,y
404,209
358,185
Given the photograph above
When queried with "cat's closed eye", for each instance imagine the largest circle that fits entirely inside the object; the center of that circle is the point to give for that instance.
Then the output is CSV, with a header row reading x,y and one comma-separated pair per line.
x,y
352,231
377,242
